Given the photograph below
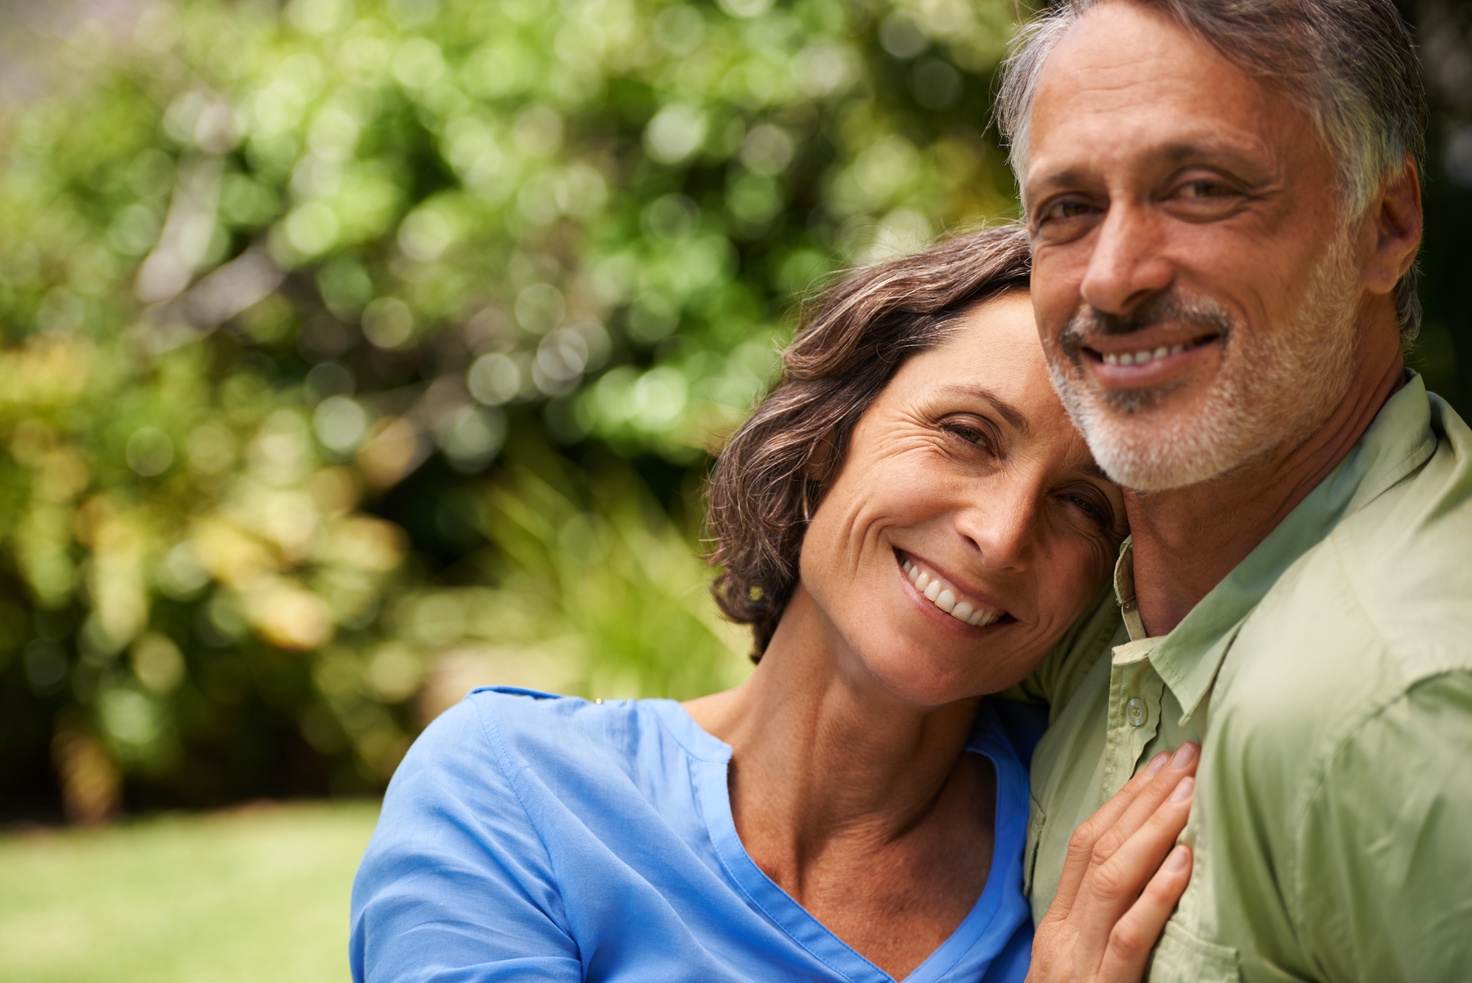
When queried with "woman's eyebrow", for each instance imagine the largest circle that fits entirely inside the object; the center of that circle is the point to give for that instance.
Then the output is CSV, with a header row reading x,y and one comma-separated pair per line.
x,y
1091,469
1010,413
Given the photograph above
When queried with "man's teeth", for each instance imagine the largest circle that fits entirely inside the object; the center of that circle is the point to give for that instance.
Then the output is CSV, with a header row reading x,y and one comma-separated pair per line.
x,y
945,598
1140,358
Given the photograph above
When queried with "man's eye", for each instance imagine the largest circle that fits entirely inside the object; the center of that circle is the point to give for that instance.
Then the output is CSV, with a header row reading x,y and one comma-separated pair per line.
x,y
1066,209
1207,190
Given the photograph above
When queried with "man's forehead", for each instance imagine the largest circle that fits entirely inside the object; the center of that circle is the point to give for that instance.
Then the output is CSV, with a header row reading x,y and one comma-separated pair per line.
x,y
1122,70
1121,46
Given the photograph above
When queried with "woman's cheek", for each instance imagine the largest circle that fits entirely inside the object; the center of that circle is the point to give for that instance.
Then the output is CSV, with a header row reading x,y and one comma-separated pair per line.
x,y
1078,578
1094,552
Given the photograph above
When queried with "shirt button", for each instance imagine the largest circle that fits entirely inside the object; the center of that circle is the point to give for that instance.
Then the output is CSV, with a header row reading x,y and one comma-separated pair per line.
x,y
1135,712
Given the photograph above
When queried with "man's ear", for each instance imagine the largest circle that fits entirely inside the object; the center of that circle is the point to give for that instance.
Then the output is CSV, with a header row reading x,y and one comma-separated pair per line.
x,y
1396,215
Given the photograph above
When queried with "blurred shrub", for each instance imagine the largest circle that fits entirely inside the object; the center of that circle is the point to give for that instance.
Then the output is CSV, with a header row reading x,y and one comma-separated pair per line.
x,y
359,351
329,326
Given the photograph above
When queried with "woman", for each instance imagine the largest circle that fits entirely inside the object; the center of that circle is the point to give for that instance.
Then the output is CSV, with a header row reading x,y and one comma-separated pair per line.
x,y
908,522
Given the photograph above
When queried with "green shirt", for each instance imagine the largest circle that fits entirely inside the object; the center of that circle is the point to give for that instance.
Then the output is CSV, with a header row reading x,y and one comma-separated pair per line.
x,y
1329,681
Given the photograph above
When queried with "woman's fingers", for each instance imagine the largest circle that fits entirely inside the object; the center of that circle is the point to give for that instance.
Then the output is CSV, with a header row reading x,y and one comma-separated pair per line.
x,y
1081,845
1116,880
1121,878
1125,812
1135,933
1144,805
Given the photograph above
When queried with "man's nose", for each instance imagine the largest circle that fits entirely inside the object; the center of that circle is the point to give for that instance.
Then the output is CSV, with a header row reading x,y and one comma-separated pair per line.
x,y
1126,265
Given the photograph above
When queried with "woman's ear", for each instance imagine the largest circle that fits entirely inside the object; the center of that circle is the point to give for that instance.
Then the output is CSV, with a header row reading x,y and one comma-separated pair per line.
x,y
816,469
818,465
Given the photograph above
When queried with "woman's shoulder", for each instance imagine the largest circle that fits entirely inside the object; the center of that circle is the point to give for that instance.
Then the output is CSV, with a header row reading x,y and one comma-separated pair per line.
x,y
506,764
517,714
464,837
514,728
507,737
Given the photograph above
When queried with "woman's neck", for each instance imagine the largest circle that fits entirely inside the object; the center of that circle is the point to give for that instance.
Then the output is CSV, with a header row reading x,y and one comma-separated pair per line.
x,y
821,748
864,809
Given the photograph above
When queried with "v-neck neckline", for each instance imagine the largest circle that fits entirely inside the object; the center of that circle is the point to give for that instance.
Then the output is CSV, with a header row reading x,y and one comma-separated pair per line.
x,y
710,764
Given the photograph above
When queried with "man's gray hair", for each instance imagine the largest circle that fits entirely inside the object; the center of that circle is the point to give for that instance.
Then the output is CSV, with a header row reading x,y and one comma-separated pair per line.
x,y
1350,62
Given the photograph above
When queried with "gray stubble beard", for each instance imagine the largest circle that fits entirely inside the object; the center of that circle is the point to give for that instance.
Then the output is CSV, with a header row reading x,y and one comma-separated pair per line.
x,y
1269,390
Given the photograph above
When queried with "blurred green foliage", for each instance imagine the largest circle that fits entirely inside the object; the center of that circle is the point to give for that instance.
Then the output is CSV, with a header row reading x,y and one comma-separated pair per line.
x,y
359,351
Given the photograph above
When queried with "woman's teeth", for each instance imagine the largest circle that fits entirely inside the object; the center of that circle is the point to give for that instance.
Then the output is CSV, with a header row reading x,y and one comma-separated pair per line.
x,y
1140,358
943,596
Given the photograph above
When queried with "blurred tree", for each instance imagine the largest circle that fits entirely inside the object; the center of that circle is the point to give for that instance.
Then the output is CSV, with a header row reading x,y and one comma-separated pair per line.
x,y
357,351
342,338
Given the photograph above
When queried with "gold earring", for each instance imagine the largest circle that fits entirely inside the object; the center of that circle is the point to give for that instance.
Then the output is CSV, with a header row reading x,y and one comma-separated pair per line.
x,y
805,516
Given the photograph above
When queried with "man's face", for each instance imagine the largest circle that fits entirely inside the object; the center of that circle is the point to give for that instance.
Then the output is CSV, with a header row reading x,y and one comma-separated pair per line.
x,y
1194,283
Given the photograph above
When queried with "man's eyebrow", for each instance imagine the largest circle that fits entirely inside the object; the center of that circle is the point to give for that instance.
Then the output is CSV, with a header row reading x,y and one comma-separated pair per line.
x,y
1220,151
1070,178
1010,413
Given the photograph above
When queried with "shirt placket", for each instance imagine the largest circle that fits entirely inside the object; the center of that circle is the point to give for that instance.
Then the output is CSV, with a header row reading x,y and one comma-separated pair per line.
x,y
1135,692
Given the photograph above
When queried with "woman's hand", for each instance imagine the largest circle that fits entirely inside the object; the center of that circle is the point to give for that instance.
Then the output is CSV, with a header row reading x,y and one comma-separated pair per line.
x,y
1121,880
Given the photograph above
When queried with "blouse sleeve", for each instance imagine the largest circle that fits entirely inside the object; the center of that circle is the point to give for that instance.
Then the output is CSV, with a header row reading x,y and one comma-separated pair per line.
x,y
456,884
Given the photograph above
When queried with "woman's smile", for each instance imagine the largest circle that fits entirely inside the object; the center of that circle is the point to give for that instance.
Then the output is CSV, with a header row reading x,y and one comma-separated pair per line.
x,y
940,593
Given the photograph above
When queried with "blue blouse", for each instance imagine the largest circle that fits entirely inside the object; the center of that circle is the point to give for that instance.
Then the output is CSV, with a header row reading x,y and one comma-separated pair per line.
x,y
531,837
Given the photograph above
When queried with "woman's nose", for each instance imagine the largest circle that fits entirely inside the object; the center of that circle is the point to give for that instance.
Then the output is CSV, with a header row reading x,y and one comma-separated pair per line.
x,y
1003,527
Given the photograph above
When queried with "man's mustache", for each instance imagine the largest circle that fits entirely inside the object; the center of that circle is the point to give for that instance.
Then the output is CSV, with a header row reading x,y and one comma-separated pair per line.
x,y
1167,308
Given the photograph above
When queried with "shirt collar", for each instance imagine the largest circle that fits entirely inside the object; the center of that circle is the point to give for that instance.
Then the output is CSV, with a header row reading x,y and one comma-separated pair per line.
x,y
1398,441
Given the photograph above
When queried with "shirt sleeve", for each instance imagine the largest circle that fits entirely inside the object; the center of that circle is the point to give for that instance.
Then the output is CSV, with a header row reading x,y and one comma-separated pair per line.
x,y
1384,886
456,884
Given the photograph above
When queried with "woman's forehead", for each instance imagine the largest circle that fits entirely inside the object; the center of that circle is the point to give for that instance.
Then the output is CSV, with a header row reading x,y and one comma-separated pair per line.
x,y
993,345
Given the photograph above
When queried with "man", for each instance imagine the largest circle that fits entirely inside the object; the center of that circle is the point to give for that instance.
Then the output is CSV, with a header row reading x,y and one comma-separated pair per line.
x,y
1224,203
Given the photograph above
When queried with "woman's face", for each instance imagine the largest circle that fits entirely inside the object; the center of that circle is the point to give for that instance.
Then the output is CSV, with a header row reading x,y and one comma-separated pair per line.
x,y
968,525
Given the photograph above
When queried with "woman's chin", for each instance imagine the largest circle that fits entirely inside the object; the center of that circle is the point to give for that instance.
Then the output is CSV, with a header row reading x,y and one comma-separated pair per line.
x,y
930,669
927,681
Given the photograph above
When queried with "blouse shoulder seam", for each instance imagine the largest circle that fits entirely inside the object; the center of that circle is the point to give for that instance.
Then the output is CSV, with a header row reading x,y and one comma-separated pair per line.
x,y
491,730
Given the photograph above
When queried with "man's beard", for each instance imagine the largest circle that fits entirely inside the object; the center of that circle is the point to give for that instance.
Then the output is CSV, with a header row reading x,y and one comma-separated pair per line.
x,y
1268,389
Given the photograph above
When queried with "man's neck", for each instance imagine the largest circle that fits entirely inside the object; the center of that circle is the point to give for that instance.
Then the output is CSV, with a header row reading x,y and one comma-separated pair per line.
x,y
1186,540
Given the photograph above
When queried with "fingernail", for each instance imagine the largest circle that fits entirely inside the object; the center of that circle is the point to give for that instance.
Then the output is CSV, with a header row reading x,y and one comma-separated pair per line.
x,y
1183,791
1176,862
1183,756
1156,763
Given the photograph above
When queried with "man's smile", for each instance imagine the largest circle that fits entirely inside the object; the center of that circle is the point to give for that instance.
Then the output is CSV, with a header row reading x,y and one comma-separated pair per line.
x,y
1147,359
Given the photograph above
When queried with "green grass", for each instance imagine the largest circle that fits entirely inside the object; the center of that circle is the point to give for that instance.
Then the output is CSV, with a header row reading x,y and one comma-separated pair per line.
x,y
254,894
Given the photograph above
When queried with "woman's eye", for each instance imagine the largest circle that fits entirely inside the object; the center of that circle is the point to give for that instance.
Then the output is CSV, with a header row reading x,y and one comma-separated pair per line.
x,y
972,435
1091,509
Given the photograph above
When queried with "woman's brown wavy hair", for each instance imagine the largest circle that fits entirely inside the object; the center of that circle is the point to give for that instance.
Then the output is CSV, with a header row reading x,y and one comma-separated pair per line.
x,y
847,348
